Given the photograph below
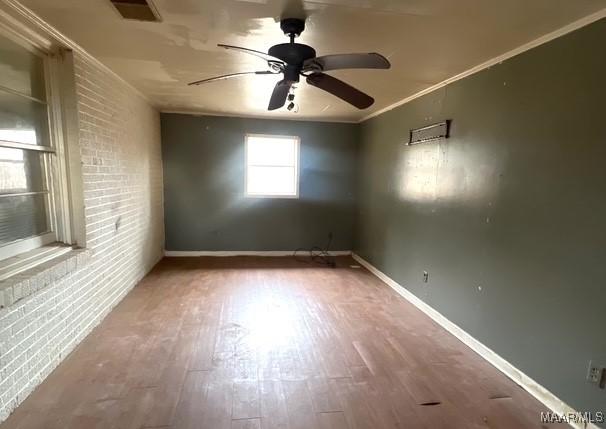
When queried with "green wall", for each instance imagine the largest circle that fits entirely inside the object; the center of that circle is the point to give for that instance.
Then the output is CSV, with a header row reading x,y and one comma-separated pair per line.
x,y
507,216
205,206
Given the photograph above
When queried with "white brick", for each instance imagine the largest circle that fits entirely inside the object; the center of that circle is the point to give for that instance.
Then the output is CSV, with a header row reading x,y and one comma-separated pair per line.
x,y
49,313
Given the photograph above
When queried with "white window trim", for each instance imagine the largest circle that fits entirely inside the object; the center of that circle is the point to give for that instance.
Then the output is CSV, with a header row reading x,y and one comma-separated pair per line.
x,y
62,167
25,245
30,259
59,198
297,140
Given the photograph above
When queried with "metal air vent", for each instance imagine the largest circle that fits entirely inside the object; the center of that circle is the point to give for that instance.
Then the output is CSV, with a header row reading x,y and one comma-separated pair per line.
x,y
441,130
139,10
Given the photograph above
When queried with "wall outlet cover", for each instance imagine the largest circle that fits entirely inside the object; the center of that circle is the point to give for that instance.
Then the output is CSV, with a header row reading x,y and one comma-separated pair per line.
x,y
596,374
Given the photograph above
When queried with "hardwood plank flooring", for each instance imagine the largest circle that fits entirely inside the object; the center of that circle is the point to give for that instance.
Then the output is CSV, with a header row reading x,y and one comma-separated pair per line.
x,y
271,343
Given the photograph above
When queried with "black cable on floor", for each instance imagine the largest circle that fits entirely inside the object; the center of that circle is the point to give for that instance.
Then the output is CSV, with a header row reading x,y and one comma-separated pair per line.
x,y
317,255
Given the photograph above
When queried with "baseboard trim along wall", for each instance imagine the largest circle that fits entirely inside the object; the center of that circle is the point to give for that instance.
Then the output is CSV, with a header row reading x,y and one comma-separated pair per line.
x,y
194,253
539,392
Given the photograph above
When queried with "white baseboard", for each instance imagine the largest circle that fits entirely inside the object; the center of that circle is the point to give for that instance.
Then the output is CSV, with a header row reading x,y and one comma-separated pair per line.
x,y
539,392
193,253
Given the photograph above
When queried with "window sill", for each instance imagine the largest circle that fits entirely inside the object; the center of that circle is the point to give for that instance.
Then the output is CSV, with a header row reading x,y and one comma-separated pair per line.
x,y
26,274
270,196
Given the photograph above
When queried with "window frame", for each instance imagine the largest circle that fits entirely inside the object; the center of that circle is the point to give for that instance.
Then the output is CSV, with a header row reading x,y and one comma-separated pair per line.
x,y
53,155
297,141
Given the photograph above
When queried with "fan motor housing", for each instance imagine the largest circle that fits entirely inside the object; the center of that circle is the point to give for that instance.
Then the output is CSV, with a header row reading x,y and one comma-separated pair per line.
x,y
292,53
291,73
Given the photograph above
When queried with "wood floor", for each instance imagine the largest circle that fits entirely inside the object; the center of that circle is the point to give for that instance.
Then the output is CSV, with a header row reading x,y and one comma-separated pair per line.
x,y
266,343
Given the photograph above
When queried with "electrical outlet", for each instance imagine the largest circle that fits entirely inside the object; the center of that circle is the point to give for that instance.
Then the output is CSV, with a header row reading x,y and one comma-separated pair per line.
x,y
593,375
425,276
596,374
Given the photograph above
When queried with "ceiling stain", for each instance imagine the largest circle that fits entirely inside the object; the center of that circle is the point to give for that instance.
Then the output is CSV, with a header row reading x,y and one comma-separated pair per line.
x,y
426,41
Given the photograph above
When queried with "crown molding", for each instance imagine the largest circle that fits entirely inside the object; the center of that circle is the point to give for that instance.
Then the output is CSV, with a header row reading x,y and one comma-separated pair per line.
x,y
589,19
45,35
245,116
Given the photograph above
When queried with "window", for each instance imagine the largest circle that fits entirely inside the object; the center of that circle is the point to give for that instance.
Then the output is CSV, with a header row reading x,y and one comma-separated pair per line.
x,y
27,155
272,166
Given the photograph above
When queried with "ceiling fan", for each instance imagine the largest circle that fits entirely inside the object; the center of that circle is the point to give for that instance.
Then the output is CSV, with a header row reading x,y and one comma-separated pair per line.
x,y
294,60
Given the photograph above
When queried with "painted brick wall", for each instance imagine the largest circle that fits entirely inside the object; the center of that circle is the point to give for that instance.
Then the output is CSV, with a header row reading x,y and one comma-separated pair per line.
x,y
122,180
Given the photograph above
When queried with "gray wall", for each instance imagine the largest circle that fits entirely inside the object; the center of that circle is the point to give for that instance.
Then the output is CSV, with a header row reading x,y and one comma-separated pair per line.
x,y
508,216
205,206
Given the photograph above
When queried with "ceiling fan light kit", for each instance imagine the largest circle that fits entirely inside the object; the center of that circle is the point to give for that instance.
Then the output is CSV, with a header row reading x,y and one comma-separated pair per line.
x,y
294,60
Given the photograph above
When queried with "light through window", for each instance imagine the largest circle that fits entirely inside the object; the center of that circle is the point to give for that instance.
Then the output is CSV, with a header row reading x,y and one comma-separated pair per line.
x,y
26,152
272,166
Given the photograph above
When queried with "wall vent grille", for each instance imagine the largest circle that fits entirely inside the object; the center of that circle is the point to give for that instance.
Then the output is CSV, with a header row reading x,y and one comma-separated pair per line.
x,y
441,130
139,10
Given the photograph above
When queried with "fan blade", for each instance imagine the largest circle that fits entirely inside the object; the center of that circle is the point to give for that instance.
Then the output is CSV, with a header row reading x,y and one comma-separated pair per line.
x,y
347,61
259,54
228,76
340,89
279,95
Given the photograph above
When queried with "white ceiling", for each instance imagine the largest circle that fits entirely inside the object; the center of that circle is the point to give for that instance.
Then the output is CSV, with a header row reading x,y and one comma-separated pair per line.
x,y
427,41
